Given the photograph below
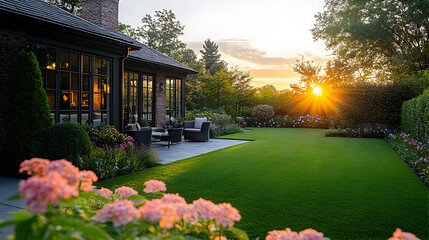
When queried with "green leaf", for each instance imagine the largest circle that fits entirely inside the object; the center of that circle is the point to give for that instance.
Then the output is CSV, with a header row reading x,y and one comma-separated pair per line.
x,y
17,196
89,229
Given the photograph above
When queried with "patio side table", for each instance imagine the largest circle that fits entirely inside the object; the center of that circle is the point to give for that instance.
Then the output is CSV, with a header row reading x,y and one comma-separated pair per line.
x,y
174,136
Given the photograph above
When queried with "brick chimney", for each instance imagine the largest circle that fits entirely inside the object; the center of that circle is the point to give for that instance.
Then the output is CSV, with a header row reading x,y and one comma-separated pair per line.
x,y
103,13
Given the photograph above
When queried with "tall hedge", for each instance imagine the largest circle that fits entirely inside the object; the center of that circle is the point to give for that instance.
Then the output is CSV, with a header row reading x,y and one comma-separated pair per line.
x,y
415,117
372,103
29,113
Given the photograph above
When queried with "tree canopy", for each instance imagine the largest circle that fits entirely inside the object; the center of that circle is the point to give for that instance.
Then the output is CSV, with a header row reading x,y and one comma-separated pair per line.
x,y
388,37
211,56
72,6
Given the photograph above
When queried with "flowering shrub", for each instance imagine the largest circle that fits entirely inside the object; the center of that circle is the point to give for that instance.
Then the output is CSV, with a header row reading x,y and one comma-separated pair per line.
x,y
262,112
306,121
111,162
413,152
220,130
359,132
103,136
64,206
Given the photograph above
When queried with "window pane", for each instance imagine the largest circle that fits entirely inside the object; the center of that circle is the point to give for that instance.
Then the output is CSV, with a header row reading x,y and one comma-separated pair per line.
x,y
106,85
106,118
97,101
51,80
106,101
97,84
85,117
74,82
64,60
108,68
97,65
65,101
104,66
96,118
85,101
65,81
85,64
41,55
64,117
73,117
85,83
51,99
74,100
51,59
74,62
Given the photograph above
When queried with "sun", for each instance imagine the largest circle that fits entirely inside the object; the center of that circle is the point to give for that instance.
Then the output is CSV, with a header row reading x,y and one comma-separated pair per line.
x,y
317,91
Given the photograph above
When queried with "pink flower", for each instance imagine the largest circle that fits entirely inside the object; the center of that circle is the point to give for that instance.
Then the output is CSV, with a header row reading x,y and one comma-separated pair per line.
x,y
206,209
310,234
38,191
87,178
220,238
173,198
225,215
399,235
282,235
104,192
66,169
125,191
153,186
34,166
120,212
157,210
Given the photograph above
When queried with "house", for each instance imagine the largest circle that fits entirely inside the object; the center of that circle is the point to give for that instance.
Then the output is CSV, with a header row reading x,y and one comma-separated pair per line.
x,y
91,72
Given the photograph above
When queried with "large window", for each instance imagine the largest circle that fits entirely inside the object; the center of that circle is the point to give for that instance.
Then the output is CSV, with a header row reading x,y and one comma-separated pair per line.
x,y
77,84
138,97
173,98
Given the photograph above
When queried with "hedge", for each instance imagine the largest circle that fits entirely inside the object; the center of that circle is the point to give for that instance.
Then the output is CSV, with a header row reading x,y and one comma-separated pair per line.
x,y
373,103
415,117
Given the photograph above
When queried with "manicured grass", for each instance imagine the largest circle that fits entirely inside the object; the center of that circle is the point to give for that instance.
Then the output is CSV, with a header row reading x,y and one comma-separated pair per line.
x,y
347,188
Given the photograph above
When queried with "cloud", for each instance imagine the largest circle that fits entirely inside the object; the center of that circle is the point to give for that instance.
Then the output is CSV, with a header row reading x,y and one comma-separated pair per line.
x,y
242,49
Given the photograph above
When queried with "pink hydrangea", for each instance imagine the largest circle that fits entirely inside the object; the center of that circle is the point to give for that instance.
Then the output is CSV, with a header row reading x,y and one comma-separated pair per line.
x,y
157,210
104,192
153,186
225,215
310,234
34,166
120,212
38,191
282,235
220,238
87,178
66,169
399,235
173,198
125,191
206,209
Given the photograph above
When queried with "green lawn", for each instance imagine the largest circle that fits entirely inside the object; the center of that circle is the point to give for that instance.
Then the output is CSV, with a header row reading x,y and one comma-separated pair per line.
x,y
347,188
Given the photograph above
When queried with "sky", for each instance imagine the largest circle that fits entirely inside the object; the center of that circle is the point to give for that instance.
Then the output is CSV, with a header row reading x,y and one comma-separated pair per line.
x,y
262,37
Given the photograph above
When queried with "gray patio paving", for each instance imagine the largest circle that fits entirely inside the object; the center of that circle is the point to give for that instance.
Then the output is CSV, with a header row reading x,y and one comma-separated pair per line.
x,y
178,151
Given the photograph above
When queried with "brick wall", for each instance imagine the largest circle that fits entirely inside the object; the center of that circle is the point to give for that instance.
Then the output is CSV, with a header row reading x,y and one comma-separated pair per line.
x,y
160,99
103,13
11,43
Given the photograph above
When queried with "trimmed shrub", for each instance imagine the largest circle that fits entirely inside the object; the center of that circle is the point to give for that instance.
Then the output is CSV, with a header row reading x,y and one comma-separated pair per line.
x,y
372,103
415,117
263,112
28,115
221,123
66,141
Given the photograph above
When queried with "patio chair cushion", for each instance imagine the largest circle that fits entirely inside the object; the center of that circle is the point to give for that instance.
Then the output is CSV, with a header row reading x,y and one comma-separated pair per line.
x,y
192,129
199,122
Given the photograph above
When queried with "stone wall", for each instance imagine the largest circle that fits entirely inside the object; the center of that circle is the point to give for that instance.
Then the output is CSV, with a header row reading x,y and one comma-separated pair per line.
x,y
11,44
160,99
103,13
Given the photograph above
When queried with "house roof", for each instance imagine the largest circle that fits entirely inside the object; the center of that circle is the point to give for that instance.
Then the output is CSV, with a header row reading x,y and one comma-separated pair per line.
x,y
49,13
150,55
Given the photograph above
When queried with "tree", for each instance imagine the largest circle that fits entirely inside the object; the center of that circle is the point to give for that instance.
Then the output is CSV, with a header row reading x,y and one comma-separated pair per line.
x,y
193,90
72,6
310,76
162,33
128,30
390,38
211,56
217,89
244,93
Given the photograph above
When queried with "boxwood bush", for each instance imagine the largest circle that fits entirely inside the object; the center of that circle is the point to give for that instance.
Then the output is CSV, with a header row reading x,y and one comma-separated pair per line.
x,y
66,141
415,117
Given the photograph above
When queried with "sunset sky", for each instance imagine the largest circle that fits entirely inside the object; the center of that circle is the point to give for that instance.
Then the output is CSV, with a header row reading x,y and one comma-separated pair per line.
x,y
264,38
